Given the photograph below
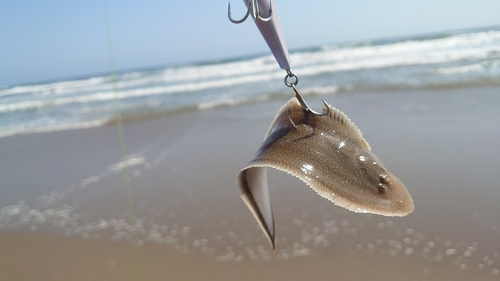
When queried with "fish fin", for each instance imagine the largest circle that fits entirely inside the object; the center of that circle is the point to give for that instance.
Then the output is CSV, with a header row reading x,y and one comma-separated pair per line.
x,y
340,117
255,192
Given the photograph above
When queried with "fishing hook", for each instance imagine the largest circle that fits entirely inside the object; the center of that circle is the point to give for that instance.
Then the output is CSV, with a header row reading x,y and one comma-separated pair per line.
x,y
253,7
292,84
236,21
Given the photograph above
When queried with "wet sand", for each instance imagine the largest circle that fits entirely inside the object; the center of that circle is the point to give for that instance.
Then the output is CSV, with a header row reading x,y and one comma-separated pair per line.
x,y
64,211
48,257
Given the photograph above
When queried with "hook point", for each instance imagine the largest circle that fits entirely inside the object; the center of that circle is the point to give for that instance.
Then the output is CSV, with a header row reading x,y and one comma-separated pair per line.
x,y
306,107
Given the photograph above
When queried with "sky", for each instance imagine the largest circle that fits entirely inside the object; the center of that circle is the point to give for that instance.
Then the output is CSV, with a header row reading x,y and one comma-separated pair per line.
x,y
49,40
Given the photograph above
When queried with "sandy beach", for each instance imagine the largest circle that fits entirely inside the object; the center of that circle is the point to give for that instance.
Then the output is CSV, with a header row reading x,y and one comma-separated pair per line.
x,y
65,213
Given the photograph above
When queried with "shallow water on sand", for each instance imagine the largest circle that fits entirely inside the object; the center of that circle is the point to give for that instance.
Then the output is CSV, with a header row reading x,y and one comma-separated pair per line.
x,y
443,144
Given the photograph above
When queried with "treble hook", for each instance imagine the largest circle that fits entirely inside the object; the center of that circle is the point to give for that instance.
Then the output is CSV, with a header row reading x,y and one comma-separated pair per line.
x,y
252,6
236,21
299,97
256,14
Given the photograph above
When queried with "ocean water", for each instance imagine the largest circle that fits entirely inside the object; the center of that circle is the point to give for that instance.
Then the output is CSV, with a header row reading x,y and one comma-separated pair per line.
x,y
449,59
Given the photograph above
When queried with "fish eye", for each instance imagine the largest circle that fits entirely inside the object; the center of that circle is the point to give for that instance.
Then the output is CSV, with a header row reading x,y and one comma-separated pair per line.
x,y
382,188
374,171
384,178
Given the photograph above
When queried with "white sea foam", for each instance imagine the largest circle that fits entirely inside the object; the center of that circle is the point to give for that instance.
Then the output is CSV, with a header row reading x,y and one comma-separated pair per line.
x,y
53,128
455,48
320,90
133,160
210,105
359,56
461,69
230,69
55,87
229,102
141,92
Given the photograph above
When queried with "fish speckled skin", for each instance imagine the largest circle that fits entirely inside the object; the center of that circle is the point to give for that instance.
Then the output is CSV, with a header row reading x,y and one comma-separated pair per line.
x,y
330,155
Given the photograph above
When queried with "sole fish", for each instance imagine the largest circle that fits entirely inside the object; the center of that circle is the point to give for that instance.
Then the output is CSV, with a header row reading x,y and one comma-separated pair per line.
x,y
328,153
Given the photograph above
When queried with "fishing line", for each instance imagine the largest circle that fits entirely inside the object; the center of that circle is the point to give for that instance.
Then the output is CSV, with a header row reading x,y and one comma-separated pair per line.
x,y
119,125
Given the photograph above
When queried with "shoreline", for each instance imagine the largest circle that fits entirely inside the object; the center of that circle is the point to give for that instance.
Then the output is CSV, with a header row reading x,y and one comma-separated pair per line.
x,y
309,93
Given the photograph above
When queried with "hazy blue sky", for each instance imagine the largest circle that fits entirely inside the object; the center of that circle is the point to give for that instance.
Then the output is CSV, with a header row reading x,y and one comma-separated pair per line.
x,y
42,40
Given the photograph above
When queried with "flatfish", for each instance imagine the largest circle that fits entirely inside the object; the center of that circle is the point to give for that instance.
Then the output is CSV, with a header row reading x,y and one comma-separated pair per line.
x,y
329,154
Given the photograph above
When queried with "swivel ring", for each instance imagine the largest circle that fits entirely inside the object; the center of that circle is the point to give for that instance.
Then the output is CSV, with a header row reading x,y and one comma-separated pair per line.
x,y
291,79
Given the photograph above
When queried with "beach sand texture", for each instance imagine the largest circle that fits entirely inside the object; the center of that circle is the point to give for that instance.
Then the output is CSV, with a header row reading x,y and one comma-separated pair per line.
x,y
64,211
